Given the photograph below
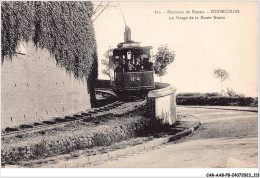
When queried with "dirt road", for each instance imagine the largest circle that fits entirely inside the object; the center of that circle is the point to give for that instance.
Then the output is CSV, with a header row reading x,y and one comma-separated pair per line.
x,y
226,139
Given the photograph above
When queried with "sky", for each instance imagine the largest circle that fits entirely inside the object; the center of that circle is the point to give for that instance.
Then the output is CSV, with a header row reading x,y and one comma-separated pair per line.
x,y
200,45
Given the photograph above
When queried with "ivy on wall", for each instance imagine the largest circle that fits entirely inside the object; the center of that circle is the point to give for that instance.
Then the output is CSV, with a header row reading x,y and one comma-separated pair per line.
x,y
65,29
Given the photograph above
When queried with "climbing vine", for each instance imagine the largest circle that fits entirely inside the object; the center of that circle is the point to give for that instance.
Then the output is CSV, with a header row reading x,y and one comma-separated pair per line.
x,y
65,29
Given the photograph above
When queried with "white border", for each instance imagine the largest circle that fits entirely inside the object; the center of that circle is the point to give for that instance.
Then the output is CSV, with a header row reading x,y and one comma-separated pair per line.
x,y
132,172
119,172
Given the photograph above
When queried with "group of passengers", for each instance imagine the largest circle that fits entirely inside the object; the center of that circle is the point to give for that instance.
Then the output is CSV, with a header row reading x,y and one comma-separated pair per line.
x,y
128,66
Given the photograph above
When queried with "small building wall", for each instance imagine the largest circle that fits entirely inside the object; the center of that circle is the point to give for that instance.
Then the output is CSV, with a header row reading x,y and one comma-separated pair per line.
x,y
161,103
34,88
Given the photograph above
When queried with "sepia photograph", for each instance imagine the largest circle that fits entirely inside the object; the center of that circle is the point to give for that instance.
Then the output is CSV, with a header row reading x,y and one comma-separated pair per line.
x,y
129,84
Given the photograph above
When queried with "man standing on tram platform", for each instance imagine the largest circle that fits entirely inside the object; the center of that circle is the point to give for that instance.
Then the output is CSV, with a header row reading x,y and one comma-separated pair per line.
x,y
122,67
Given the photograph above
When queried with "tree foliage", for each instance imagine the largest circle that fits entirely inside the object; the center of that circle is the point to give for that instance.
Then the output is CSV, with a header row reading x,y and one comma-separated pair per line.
x,y
163,58
107,65
105,62
222,74
63,28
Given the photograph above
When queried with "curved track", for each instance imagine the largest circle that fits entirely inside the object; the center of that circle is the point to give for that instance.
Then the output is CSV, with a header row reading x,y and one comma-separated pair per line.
x,y
83,116
117,109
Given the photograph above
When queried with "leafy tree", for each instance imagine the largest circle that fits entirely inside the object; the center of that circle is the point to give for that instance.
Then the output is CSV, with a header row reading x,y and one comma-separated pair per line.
x,y
105,62
106,70
108,66
64,28
222,74
163,58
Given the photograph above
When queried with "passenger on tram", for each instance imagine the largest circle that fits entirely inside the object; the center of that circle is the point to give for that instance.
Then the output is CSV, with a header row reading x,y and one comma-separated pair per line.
x,y
123,67
131,66
137,65
148,65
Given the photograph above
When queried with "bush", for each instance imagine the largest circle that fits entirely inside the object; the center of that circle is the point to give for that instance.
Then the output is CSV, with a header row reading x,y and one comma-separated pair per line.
x,y
198,94
213,99
255,103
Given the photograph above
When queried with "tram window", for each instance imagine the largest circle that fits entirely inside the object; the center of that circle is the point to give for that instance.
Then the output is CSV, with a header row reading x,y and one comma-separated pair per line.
x,y
134,60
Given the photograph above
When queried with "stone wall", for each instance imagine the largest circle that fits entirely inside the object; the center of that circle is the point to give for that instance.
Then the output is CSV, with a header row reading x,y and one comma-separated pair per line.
x,y
161,103
34,88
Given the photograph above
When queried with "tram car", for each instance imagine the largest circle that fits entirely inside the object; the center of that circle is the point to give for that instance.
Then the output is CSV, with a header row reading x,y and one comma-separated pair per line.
x,y
131,68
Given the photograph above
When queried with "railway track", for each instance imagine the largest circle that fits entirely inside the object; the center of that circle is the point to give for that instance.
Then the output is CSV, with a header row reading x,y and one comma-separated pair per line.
x,y
85,116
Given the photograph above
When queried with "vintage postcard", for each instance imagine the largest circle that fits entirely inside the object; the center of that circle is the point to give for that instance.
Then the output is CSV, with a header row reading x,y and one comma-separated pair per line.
x,y
138,84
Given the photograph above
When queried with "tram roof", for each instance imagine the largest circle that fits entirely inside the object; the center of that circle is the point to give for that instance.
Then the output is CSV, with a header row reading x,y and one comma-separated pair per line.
x,y
133,48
